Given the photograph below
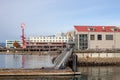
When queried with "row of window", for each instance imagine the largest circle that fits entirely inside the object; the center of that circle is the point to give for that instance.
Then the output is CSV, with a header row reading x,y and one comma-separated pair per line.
x,y
48,37
99,37
12,43
49,40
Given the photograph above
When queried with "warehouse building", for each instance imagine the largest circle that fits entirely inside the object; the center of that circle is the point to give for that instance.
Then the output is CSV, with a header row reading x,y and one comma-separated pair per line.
x,y
97,37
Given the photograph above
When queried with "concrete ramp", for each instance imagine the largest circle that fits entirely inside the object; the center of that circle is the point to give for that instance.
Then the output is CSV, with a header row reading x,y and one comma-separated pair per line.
x,y
62,59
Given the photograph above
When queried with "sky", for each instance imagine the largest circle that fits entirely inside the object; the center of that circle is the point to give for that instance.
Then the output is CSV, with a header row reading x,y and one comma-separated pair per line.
x,y
47,17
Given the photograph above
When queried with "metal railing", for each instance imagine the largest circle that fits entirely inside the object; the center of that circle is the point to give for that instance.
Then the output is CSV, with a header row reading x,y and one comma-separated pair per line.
x,y
62,59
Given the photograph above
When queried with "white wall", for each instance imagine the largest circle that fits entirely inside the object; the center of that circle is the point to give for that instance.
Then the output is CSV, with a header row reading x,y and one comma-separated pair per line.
x,y
94,55
93,44
49,39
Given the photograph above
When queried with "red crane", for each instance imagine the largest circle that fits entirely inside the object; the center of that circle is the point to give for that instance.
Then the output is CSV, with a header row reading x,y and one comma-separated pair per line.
x,y
23,36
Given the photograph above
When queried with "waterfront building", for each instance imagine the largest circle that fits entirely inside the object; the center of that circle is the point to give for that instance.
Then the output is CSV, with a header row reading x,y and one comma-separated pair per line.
x,y
97,37
60,37
9,43
51,42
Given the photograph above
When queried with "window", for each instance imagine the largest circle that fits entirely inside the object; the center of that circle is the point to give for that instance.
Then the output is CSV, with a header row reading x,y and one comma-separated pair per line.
x,y
109,37
99,37
92,37
83,41
115,29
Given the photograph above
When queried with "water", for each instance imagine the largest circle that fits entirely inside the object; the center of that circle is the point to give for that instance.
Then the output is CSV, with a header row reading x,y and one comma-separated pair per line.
x,y
25,61
88,73
101,73
36,61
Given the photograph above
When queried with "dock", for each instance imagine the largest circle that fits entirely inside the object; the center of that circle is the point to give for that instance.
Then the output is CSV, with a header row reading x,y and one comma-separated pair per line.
x,y
36,72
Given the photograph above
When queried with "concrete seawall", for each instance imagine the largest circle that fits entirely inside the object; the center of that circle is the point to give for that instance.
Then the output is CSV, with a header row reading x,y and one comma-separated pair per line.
x,y
98,59
96,55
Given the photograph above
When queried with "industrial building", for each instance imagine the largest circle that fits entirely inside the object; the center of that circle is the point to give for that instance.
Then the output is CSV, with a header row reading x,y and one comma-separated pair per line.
x,y
97,37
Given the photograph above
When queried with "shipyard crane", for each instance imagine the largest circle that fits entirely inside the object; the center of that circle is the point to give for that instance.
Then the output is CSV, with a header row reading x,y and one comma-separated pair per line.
x,y
23,36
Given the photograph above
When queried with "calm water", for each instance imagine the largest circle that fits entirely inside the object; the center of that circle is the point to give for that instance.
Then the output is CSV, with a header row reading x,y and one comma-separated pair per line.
x,y
100,73
36,61
25,61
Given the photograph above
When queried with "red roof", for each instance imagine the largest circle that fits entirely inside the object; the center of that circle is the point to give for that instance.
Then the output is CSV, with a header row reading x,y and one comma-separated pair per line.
x,y
97,28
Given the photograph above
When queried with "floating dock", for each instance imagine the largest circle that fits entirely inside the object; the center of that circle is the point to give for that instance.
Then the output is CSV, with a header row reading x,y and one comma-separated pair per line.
x,y
36,72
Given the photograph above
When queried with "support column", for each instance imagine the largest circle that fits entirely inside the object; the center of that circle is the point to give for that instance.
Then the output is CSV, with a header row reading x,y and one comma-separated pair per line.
x,y
74,63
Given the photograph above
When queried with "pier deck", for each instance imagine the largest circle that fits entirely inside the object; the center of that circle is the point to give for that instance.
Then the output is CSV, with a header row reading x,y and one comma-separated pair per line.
x,y
36,72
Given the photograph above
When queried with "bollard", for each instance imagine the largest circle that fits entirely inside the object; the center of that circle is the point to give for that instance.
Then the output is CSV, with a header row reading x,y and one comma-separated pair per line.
x,y
74,62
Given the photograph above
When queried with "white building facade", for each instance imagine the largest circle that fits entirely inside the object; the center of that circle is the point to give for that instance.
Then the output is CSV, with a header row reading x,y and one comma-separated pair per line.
x,y
47,43
9,43
57,38
97,37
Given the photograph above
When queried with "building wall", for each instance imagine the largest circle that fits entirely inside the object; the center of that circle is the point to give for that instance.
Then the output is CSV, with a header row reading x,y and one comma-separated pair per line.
x,y
117,42
48,42
48,39
100,44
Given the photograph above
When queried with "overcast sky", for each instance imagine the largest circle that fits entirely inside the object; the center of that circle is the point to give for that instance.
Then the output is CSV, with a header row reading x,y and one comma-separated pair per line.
x,y
47,17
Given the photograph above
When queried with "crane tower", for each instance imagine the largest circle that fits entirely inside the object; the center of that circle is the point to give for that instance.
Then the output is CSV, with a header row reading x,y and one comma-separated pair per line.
x,y
23,36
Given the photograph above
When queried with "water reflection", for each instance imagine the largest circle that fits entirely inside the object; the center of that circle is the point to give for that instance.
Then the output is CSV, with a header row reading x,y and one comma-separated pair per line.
x,y
36,61
101,73
25,61
42,78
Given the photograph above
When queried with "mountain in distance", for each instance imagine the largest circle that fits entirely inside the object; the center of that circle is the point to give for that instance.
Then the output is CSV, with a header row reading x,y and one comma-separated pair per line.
x,y
2,44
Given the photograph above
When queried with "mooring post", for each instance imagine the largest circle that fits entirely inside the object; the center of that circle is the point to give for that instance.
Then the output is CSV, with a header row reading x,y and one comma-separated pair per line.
x,y
74,62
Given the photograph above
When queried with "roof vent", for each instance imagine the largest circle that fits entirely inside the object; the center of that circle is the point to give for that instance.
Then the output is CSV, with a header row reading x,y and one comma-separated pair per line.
x,y
91,29
103,28
115,29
